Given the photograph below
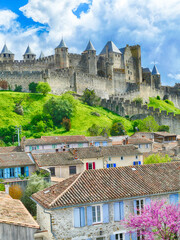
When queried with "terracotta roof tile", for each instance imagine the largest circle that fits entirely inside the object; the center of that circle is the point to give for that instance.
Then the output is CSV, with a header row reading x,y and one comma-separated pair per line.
x,y
137,140
111,184
10,149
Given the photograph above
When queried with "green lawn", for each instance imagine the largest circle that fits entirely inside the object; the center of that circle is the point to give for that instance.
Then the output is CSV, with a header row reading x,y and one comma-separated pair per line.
x,y
162,105
33,104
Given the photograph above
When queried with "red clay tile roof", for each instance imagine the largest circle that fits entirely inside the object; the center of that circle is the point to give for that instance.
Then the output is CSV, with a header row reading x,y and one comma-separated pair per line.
x,y
110,184
12,211
138,140
165,134
10,149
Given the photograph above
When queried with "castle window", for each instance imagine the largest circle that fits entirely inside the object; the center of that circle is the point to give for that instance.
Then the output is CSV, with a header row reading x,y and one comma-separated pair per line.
x,y
4,55
129,78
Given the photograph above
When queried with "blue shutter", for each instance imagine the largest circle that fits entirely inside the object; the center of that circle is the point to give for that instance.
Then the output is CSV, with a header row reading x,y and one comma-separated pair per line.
x,y
139,162
135,208
89,239
76,217
97,144
104,144
148,201
173,198
27,171
5,173
19,170
116,211
112,237
16,172
37,147
107,165
89,216
8,172
114,164
134,163
122,210
82,212
105,213
134,236
127,236
30,148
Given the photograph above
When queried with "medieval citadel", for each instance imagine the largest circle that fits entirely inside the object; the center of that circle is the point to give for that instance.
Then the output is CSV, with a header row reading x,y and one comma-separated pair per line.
x,y
115,74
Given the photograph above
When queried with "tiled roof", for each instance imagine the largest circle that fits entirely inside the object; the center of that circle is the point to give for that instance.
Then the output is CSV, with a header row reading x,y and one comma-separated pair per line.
x,y
10,149
12,211
146,70
111,184
6,50
62,44
122,50
111,48
97,152
55,159
45,140
136,140
155,71
28,51
98,138
165,134
90,47
14,159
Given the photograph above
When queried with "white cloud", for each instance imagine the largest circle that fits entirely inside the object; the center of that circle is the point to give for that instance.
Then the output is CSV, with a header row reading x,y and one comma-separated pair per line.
x,y
7,20
174,76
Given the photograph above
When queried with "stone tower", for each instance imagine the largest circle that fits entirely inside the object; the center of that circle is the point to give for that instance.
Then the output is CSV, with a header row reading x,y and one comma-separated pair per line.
x,y
6,54
61,55
136,53
156,77
90,54
29,55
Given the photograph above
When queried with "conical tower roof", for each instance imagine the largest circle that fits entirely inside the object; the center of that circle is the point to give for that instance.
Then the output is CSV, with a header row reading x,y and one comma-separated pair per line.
x,y
90,47
62,44
41,55
155,70
29,51
111,48
6,50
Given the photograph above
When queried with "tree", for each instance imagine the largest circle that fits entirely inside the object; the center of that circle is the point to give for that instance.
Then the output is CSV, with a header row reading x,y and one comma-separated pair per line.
x,y
35,184
43,87
18,88
148,124
15,191
157,158
163,128
90,97
158,220
66,122
32,87
117,129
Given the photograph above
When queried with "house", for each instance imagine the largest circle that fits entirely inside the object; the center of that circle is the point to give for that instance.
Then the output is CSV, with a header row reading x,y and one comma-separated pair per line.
x,y
148,135
15,220
143,144
61,164
110,156
99,141
53,143
90,205
14,164
164,137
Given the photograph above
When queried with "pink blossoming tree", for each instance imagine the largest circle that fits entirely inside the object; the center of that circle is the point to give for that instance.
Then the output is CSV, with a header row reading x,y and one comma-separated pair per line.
x,y
157,220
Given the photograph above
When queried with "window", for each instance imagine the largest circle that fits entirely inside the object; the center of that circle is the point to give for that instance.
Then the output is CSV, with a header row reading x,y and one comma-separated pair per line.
x,y
140,146
52,170
72,170
1,173
79,217
110,165
109,158
136,157
54,146
11,172
104,144
96,214
139,235
122,158
80,145
118,211
136,163
119,236
22,171
90,165
147,145
97,144
138,206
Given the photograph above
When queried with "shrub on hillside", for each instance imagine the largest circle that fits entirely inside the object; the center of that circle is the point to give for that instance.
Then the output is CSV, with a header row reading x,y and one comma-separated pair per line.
x,y
148,124
163,128
19,109
117,129
32,87
43,87
8,134
169,102
138,100
158,98
66,123
18,88
94,130
90,97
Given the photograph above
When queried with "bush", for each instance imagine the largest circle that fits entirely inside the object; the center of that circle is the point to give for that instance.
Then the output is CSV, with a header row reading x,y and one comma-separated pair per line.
x,y
19,109
163,128
158,98
18,88
90,98
2,187
117,129
94,130
157,158
66,123
148,125
8,134
169,102
138,100
43,87
15,191
32,87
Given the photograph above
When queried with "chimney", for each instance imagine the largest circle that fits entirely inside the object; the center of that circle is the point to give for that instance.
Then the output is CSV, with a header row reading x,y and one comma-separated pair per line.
x,y
75,154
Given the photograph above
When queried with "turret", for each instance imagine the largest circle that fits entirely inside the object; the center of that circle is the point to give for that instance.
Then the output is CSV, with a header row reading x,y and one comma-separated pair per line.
x,y
156,77
61,55
6,54
90,54
29,55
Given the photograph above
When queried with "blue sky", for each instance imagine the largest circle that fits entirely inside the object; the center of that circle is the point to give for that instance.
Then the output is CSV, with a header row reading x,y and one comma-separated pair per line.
x,y
152,24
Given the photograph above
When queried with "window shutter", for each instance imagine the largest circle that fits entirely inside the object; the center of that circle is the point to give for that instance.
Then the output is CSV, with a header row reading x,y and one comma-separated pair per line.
x,y
105,213
8,173
114,164
134,163
16,172
94,165
116,211
82,216
148,201
30,148
112,237
76,217
37,147
89,216
173,198
87,166
107,165
5,173
89,239
127,236
134,236
27,171
19,170
104,144
135,208
121,210
139,162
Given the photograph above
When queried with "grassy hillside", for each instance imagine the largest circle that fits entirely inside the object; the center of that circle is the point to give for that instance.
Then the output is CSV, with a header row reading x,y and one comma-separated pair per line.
x,y
162,105
33,105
